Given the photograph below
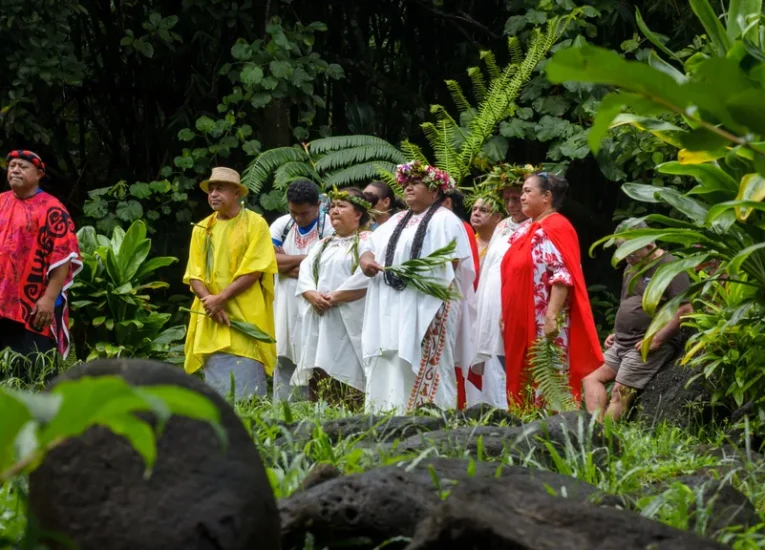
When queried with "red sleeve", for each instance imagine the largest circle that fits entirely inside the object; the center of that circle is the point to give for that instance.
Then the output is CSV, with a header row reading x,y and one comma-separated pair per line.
x,y
474,248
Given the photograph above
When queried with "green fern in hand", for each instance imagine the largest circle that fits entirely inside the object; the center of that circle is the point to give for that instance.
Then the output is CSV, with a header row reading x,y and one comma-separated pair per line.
x,y
548,373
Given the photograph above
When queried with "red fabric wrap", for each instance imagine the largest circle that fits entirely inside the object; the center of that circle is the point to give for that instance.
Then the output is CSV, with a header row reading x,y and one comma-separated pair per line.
x,y
474,248
585,354
36,235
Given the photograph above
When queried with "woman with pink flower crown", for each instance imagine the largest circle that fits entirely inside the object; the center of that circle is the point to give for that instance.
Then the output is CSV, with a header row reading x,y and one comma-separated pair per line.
x,y
411,340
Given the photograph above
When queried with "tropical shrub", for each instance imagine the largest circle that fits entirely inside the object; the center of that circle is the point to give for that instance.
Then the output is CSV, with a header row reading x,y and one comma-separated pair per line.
x,y
710,108
112,310
727,344
718,97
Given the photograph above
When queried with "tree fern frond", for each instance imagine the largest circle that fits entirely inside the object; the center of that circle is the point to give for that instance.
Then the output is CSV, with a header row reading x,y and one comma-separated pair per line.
x,y
262,167
413,152
360,173
447,157
516,53
505,89
343,158
491,64
479,84
452,130
548,372
290,171
334,143
458,96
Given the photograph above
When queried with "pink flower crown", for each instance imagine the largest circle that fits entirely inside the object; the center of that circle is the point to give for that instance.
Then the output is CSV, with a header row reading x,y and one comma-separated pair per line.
x,y
415,171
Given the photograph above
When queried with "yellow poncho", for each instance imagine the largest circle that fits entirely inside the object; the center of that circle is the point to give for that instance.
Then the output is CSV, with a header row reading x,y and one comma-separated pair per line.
x,y
238,246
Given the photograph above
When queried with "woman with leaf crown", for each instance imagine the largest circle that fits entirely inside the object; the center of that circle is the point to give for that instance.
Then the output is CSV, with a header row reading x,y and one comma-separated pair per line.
x,y
331,319
412,337
501,192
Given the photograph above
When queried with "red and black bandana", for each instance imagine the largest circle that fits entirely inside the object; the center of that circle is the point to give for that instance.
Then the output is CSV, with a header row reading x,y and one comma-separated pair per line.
x,y
23,154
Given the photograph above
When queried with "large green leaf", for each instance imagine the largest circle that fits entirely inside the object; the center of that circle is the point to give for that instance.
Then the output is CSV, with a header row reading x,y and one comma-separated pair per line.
x,y
757,269
661,320
15,415
708,175
663,130
745,106
651,36
641,192
663,277
739,12
151,265
752,189
336,143
719,209
715,30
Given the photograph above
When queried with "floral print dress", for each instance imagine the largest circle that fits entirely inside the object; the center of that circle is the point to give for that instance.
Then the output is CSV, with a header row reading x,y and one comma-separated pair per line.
x,y
549,268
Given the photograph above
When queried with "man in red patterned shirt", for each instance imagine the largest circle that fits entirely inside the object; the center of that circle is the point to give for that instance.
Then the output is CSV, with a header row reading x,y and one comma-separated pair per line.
x,y
39,257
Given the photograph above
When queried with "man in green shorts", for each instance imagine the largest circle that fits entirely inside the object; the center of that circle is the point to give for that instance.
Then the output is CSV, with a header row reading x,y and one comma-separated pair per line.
x,y
623,360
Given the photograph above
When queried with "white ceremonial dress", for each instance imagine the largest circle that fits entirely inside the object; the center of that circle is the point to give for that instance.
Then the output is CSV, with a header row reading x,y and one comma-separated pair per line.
x,y
332,341
411,341
285,302
489,344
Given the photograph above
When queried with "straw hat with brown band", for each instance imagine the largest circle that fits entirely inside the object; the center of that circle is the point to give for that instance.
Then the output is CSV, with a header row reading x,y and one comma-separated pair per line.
x,y
225,175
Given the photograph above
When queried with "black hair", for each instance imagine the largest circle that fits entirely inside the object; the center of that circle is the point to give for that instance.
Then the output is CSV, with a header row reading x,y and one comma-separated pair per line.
x,y
556,185
458,203
364,220
419,236
386,192
303,191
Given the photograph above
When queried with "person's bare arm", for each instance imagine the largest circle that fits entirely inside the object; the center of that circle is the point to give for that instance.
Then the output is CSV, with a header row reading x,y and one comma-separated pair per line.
x,y
345,296
558,295
368,265
45,307
287,263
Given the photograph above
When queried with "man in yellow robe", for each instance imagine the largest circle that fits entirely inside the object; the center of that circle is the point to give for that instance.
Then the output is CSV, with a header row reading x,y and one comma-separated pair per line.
x,y
231,272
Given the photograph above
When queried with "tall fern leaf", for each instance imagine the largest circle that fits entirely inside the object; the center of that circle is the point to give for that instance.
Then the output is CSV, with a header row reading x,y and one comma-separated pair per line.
x,y
263,166
491,63
516,53
479,84
548,372
458,96
413,152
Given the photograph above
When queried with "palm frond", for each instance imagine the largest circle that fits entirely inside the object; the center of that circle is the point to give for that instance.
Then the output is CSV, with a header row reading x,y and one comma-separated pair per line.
x,y
290,171
343,158
491,63
260,170
516,53
479,83
335,143
458,96
360,173
413,152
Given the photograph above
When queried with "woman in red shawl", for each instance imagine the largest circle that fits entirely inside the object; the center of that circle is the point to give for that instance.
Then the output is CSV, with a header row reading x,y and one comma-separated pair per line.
x,y
543,289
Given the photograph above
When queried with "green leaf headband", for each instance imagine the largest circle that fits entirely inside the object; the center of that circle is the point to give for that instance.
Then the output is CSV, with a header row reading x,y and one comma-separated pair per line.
x,y
337,195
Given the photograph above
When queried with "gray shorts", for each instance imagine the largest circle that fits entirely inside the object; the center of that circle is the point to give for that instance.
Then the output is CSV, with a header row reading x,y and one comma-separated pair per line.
x,y
630,369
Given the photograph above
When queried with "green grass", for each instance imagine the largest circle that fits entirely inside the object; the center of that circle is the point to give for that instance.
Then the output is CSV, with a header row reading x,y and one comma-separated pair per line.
x,y
649,454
